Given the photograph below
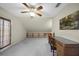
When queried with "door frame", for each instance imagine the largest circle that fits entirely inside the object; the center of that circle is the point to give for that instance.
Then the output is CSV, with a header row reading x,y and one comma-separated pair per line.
x,y
3,31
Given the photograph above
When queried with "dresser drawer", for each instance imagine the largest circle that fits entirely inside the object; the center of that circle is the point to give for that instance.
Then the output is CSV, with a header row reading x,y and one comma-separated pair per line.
x,y
66,47
60,50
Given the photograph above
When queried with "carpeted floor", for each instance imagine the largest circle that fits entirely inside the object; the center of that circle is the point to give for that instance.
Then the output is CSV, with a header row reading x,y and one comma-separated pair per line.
x,y
29,47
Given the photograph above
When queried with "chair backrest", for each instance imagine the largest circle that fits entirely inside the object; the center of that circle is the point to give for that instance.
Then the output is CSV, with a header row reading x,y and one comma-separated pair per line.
x,y
51,38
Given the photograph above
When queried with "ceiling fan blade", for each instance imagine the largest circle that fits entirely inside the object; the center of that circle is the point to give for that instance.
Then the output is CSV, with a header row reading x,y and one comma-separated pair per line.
x,y
58,4
39,14
24,11
40,7
25,4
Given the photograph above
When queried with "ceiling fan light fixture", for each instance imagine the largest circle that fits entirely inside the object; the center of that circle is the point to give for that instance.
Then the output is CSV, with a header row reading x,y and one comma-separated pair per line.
x,y
33,10
32,14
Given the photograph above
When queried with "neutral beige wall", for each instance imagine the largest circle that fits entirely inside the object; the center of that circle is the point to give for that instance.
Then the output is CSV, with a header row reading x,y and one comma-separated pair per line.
x,y
70,34
18,31
38,24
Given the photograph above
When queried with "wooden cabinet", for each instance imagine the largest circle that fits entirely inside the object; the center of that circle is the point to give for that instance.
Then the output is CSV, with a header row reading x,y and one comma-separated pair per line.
x,y
66,47
37,34
59,49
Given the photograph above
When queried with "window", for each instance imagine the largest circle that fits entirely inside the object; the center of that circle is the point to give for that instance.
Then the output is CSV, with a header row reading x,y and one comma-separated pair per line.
x,y
5,32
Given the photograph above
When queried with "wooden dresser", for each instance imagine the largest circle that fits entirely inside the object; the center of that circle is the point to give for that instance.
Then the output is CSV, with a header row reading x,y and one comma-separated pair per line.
x,y
66,47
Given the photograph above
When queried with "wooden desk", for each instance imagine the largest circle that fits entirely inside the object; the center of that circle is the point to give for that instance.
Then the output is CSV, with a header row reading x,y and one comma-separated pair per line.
x,y
66,47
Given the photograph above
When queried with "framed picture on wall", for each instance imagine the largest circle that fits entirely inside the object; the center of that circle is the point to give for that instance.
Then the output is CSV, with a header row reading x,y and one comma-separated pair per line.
x,y
70,22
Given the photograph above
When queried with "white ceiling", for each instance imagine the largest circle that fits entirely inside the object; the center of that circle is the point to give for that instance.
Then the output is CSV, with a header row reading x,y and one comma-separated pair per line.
x,y
43,23
49,9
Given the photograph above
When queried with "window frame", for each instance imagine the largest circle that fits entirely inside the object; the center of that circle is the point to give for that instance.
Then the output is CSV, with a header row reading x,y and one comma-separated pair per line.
x,y
3,32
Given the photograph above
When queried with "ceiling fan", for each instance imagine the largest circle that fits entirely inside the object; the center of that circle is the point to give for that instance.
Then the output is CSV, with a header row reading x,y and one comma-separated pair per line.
x,y
57,5
33,9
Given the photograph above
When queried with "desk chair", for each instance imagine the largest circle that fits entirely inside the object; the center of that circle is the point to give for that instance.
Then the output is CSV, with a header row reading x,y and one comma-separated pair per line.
x,y
51,41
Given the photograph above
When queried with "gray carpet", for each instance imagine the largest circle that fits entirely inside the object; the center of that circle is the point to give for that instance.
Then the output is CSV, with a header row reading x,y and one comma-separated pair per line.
x,y
29,47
